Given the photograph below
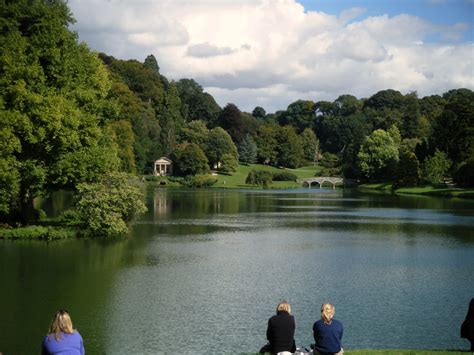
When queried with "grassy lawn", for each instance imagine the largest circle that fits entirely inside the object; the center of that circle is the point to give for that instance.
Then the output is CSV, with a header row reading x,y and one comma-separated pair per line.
x,y
237,179
405,352
423,190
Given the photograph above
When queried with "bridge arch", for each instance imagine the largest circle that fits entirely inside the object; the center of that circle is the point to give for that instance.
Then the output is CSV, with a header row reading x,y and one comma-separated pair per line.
x,y
321,180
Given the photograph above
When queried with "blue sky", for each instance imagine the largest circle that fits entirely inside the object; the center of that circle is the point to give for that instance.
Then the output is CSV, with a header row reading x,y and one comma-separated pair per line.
x,y
441,12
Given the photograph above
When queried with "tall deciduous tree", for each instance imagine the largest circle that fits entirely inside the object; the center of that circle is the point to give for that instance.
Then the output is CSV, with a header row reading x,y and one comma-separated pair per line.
x,y
267,143
218,144
436,167
408,171
197,104
300,114
52,99
378,156
189,159
237,123
310,145
290,148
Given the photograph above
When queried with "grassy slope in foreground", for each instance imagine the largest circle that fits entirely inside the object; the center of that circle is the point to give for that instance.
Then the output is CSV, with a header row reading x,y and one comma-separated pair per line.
x,y
237,179
405,352
423,190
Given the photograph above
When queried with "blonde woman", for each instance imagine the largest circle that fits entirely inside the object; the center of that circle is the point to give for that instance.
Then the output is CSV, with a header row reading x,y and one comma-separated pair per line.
x,y
62,338
327,332
280,331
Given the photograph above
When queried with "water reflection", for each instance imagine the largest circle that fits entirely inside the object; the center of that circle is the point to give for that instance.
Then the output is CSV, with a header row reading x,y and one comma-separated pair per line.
x,y
204,268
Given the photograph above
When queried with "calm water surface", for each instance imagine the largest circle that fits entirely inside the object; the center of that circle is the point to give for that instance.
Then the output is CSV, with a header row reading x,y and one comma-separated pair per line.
x,y
204,269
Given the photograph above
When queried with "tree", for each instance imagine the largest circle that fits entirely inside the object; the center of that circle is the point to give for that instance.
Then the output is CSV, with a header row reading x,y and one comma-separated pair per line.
x,y
300,114
106,207
229,163
218,144
236,123
125,139
195,132
266,141
189,159
151,63
146,128
248,150
259,113
387,99
290,148
310,145
436,167
453,131
408,171
378,156
346,105
52,100
197,104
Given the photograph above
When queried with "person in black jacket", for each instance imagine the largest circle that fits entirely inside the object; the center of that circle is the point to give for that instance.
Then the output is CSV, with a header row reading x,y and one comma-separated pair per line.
x,y
467,327
281,331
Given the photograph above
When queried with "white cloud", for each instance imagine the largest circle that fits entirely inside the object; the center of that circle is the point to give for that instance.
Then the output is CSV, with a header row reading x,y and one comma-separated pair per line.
x,y
271,52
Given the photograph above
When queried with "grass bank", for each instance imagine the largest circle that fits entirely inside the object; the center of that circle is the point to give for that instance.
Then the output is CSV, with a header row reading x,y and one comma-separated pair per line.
x,y
422,190
37,232
237,179
405,352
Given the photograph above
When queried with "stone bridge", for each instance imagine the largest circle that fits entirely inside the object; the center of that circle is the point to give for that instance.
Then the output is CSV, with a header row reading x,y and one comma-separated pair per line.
x,y
321,180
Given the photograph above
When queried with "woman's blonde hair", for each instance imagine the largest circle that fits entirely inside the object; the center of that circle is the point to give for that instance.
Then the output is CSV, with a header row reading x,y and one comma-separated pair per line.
x,y
284,306
61,323
327,312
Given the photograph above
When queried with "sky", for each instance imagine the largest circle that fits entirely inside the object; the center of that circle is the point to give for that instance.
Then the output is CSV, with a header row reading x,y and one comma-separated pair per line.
x,y
270,53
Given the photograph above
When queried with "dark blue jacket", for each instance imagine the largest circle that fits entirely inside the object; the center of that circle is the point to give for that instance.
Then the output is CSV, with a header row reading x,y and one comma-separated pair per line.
x,y
328,337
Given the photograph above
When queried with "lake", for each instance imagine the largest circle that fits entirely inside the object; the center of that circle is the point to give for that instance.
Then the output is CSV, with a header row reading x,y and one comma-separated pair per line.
x,y
204,269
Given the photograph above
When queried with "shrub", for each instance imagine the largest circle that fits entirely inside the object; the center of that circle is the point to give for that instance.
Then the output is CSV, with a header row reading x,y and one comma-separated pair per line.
x,y
152,178
284,176
70,218
200,181
106,207
262,178
37,232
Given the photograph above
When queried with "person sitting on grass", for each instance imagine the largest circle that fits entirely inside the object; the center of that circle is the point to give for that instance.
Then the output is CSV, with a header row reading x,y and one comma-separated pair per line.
x,y
61,337
327,332
280,331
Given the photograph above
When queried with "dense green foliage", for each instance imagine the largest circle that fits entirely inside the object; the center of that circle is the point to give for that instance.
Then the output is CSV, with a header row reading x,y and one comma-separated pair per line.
x,y
189,159
284,176
69,116
436,167
248,150
408,171
52,107
378,156
38,233
107,206
261,178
